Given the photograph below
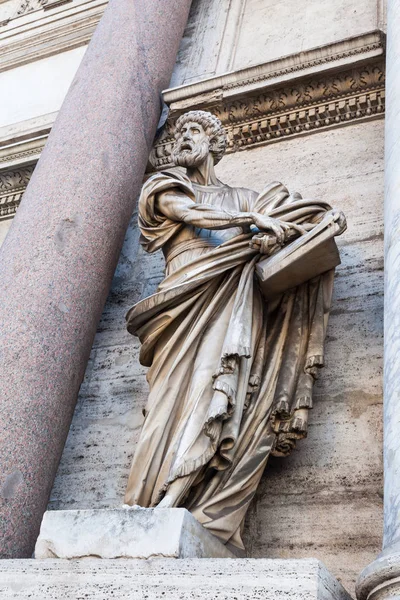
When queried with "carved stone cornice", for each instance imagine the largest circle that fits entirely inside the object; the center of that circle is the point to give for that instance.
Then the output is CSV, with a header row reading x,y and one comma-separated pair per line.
x,y
361,49
339,88
22,153
327,87
21,144
12,186
68,25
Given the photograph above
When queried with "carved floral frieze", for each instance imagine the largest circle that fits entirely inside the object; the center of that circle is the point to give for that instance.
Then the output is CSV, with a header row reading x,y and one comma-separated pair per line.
x,y
301,107
30,5
12,186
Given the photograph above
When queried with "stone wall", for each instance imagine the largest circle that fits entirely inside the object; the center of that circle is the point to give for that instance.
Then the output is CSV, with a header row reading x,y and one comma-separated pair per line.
x,y
4,227
233,34
292,27
25,99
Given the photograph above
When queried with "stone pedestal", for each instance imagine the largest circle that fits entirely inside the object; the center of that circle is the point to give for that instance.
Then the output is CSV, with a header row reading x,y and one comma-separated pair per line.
x,y
381,579
58,259
188,579
126,533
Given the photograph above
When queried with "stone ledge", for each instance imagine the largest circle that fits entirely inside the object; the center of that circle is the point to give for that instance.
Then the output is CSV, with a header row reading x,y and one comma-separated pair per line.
x,y
336,56
126,533
160,579
326,87
42,33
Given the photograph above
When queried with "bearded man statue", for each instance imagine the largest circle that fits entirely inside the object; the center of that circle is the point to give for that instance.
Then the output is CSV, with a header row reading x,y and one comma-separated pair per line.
x,y
230,373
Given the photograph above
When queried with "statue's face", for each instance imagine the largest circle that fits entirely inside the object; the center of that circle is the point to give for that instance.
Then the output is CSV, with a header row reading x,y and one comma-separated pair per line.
x,y
192,146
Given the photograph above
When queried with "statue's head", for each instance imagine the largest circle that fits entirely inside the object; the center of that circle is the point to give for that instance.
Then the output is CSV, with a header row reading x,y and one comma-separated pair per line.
x,y
198,133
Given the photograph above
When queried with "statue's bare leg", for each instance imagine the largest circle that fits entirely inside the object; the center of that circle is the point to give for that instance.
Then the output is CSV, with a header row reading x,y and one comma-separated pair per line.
x,y
176,492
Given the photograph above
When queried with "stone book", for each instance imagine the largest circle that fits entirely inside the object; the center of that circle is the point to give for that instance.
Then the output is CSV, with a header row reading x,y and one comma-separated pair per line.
x,y
310,255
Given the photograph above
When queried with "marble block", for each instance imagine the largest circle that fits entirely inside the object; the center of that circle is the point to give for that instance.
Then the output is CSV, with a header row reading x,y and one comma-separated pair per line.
x,y
131,532
165,579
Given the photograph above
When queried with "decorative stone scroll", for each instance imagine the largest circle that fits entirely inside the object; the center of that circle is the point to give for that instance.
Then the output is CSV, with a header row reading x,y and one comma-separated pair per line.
x,y
29,6
12,186
25,7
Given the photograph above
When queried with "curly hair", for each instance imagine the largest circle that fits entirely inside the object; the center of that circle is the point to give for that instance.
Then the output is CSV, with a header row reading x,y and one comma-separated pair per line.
x,y
211,125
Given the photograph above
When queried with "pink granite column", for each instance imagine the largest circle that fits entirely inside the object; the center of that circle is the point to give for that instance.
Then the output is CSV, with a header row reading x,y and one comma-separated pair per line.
x,y
59,257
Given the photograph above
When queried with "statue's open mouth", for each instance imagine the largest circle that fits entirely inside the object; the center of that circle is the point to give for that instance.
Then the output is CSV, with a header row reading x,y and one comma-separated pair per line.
x,y
186,146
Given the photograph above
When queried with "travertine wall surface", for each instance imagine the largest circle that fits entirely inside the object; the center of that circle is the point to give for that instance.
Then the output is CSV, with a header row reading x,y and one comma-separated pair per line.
x,y
188,579
4,227
25,99
233,34
293,28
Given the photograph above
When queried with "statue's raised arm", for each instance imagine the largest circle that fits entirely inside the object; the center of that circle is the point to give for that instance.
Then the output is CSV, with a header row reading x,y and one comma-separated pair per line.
x,y
177,206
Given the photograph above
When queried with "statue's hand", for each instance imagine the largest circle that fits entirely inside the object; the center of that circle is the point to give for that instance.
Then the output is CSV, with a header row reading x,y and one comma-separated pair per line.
x,y
264,243
280,229
339,218
268,243
275,226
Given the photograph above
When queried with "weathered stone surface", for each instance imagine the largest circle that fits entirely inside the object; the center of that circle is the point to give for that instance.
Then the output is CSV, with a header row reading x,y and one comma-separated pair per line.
x,y
204,49
126,533
192,579
293,30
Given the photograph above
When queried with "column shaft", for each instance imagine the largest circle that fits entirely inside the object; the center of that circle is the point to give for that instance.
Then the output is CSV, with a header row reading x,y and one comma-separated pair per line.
x,y
392,283
57,262
381,579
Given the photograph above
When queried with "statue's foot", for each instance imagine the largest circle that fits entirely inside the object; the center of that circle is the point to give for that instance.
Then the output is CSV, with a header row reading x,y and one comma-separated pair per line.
x,y
166,502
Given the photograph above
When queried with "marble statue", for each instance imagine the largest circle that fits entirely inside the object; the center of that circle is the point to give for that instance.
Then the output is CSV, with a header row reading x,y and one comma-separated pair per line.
x,y
231,367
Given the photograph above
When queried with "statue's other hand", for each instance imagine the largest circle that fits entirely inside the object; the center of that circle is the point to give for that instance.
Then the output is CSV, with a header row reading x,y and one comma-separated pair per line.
x,y
280,229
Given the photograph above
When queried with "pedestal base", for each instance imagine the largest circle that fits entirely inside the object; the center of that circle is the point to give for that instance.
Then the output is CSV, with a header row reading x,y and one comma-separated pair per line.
x,y
126,533
191,579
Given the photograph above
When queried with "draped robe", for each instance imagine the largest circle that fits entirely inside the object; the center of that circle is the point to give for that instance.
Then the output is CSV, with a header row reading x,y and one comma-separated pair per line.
x,y
230,374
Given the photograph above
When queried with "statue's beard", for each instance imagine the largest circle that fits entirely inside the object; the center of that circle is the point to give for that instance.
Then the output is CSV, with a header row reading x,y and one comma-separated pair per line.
x,y
186,154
